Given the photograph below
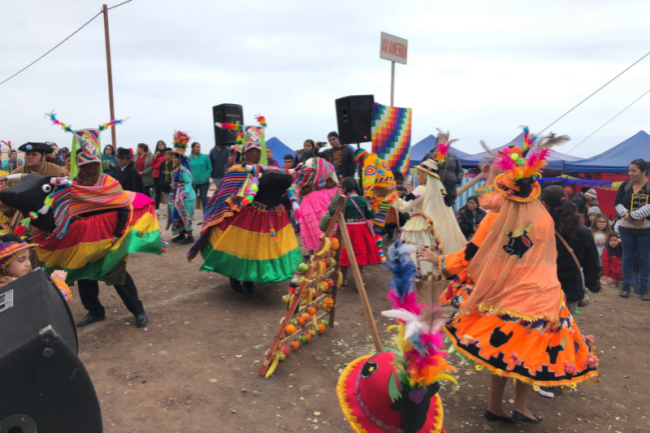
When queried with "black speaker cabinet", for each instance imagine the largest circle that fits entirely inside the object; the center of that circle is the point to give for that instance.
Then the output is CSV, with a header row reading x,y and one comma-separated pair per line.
x,y
226,113
44,387
354,116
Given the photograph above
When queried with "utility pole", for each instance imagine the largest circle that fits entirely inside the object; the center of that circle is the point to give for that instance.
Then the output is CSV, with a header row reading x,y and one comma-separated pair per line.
x,y
392,84
110,74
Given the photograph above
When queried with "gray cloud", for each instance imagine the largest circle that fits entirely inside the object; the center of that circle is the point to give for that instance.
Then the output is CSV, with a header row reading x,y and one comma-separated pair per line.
x,y
480,69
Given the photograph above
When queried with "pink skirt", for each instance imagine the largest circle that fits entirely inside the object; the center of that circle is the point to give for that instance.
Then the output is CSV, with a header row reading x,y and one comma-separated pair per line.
x,y
313,207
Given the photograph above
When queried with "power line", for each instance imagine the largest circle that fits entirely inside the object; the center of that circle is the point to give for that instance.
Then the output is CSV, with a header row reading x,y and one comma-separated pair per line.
x,y
605,124
601,88
61,43
117,6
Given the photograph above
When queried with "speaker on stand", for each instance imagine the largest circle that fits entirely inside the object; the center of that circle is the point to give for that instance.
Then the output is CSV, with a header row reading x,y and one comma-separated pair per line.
x,y
44,387
354,117
226,113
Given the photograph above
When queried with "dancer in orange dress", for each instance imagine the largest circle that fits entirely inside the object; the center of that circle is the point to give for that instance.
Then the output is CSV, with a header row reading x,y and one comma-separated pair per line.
x,y
514,320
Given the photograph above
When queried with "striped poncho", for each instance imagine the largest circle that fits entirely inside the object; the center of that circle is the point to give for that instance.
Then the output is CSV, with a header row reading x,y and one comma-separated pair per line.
x,y
76,199
85,249
224,203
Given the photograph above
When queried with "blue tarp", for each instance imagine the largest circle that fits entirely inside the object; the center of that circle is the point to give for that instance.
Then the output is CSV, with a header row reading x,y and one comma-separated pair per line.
x,y
423,146
557,161
617,159
279,150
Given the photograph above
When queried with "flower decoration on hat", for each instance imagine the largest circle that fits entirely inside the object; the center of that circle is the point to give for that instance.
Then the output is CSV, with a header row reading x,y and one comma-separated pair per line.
x,y
444,144
181,140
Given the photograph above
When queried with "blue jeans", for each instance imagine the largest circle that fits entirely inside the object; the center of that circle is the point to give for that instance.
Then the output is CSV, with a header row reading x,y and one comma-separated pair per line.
x,y
217,181
202,192
636,246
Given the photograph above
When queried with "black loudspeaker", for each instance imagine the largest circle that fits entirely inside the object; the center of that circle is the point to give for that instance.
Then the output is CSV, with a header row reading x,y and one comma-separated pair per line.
x,y
226,113
354,116
44,387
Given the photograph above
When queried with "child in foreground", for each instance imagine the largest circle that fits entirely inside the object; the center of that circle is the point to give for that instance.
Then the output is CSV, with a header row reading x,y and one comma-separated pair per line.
x,y
14,263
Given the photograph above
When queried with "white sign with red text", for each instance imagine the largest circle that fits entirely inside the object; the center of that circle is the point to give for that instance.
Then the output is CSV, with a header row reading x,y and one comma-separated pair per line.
x,y
393,48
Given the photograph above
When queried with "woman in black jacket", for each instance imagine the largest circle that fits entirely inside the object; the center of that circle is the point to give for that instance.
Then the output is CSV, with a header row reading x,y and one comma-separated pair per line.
x,y
574,277
470,216
568,226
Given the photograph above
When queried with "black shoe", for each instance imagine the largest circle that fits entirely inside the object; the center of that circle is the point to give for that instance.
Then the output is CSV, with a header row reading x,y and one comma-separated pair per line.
x,y
520,418
89,319
236,286
188,240
625,292
249,290
490,417
179,238
141,320
645,294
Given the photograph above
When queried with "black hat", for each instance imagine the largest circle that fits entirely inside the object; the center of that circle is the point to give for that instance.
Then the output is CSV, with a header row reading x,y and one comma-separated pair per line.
x,y
333,134
123,152
37,147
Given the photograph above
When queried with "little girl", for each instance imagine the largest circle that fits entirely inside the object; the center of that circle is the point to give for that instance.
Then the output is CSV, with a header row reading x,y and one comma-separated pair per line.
x,y
358,213
612,261
14,263
601,230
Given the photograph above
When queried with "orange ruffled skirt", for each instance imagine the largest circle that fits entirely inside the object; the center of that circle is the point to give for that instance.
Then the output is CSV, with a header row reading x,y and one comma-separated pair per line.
x,y
536,352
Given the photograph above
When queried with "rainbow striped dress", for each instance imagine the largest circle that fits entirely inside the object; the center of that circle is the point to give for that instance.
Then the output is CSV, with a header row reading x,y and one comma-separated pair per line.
x,y
236,241
83,247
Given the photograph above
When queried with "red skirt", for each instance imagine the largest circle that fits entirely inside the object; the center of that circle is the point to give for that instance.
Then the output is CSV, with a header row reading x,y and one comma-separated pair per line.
x,y
363,243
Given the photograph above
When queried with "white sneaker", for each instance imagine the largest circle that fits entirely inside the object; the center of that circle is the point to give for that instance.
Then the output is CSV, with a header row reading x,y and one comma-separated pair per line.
x,y
546,392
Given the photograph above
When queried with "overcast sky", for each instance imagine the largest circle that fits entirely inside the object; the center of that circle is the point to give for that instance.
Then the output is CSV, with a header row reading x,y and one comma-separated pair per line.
x,y
477,68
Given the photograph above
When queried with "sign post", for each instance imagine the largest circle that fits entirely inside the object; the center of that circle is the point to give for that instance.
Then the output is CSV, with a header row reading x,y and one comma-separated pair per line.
x,y
394,49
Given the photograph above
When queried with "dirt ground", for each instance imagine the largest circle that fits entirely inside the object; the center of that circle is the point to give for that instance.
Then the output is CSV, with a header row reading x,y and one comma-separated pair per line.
x,y
194,368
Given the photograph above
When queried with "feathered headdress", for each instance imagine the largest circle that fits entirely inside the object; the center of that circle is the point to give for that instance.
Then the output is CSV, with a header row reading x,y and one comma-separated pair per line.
x,y
419,338
86,139
181,140
444,144
7,143
528,162
243,137
522,166
68,128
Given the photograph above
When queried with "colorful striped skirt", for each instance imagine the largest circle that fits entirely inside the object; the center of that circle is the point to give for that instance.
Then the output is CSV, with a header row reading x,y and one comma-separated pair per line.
x,y
242,246
86,252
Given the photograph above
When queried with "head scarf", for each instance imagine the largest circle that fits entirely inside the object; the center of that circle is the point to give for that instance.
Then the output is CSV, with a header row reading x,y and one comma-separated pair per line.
x,y
515,270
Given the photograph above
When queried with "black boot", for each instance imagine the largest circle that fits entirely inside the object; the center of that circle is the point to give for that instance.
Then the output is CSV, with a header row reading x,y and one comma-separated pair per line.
x,y
625,292
141,320
249,289
645,294
236,285
180,237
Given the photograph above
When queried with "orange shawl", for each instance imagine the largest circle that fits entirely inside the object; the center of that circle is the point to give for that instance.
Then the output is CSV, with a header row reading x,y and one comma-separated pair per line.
x,y
515,272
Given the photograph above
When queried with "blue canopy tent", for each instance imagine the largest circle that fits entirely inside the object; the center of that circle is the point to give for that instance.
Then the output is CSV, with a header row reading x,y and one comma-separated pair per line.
x,y
617,159
425,145
279,149
556,161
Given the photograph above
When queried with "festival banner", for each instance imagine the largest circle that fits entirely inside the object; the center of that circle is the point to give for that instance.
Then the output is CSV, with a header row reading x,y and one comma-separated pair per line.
x,y
391,136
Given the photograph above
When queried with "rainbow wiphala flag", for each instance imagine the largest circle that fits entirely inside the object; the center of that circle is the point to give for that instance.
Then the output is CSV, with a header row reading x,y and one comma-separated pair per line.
x,y
391,136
